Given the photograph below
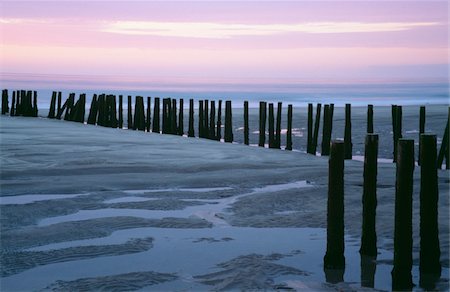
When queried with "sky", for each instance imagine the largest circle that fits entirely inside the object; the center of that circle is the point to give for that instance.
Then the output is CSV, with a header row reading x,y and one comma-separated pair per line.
x,y
233,42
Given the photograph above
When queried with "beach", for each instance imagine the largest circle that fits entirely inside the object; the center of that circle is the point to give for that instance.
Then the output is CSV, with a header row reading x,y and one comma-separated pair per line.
x,y
91,207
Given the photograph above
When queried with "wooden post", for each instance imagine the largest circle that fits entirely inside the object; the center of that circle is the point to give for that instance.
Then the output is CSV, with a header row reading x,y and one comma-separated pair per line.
x,y
59,102
228,122
396,127
173,118
348,132
334,257
51,112
271,127
13,102
181,118
369,200
219,121
206,119
421,130
444,151
310,129
18,102
69,107
370,119
5,102
156,117
326,138
130,114
212,121
201,123
430,252
401,273
120,112
289,129
92,118
191,132
246,128
278,127
35,106
114,121
262,123
165,119
148,118
368,269
316,130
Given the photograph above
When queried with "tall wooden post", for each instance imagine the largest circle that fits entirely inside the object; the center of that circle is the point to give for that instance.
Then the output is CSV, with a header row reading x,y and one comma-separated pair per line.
x,y
316,130
130,114
246,127
396,127
310,129
35,106
262,123
370,119
212,121
271,127
69,107
401,273
201,122
120,111
289,128
139,119
181,118
148,117
348,132
173,116
445,149
5,101
369,200
92,118
278,127
421,130
191,132
51,112
326,138
219,120
156,116
228,122
59,102
13,103
334,257
206,119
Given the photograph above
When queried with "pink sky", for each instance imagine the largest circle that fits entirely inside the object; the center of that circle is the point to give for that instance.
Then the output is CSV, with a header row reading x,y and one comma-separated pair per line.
x,y
239,41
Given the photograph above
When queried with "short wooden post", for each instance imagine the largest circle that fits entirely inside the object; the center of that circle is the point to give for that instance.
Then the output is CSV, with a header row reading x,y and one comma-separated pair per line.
x,y
191,132
212,121
289,128
401,273
316,130
278,127
445,149
13,103
369,199
262,123
348,132
228,122
92,118
421,130
246,127
310,129
148,117
156,116
370,119
430,252
326,137
173,118
181,118
130,114
271,127
120,123
334,257
219,121
51,112
201,123
206,119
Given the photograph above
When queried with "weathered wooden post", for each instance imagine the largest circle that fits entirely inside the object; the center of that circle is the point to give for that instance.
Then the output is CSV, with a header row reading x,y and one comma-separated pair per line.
x,y
181,118
369,199
271,127
156,117
430,253
262,123
114,121
173,118
18,102
140,123
310,129
368,269
316,130
51,111
334,257
79,109
191,132
13,102
5,101
206,119
289,128
130,114
212,121
445,149
69,107
370,119
421,130
92,118
348,132
166,119
148,117
59,102
228,122
201,123
219,121
35,106
246,128
120,112
401,273
326,135
278,127
396,127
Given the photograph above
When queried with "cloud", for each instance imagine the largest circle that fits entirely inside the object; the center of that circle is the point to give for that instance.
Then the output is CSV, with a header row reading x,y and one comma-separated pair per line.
x,y
225,31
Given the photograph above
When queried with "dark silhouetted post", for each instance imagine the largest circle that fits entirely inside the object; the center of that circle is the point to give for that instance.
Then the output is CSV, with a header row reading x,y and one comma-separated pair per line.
x,y
368,269
201,123
334,257
310,129
130,114
421,129
445,149
369,200
289,128
35,106
139,114
181,118
191,132
156,116
271,127
92,118
173,118
262,123
206,119
370,119
212,121
326,138
316,130
430,253
219,121
59,102
397,127
69,107
246,127
401,273
5,102
278,127
13,103
348,132
166,115
18,97
51,112
120,111
228,122
148,118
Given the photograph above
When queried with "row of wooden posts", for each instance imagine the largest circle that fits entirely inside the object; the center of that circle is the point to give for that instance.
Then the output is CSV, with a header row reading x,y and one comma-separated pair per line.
x,y
104,112
429,261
